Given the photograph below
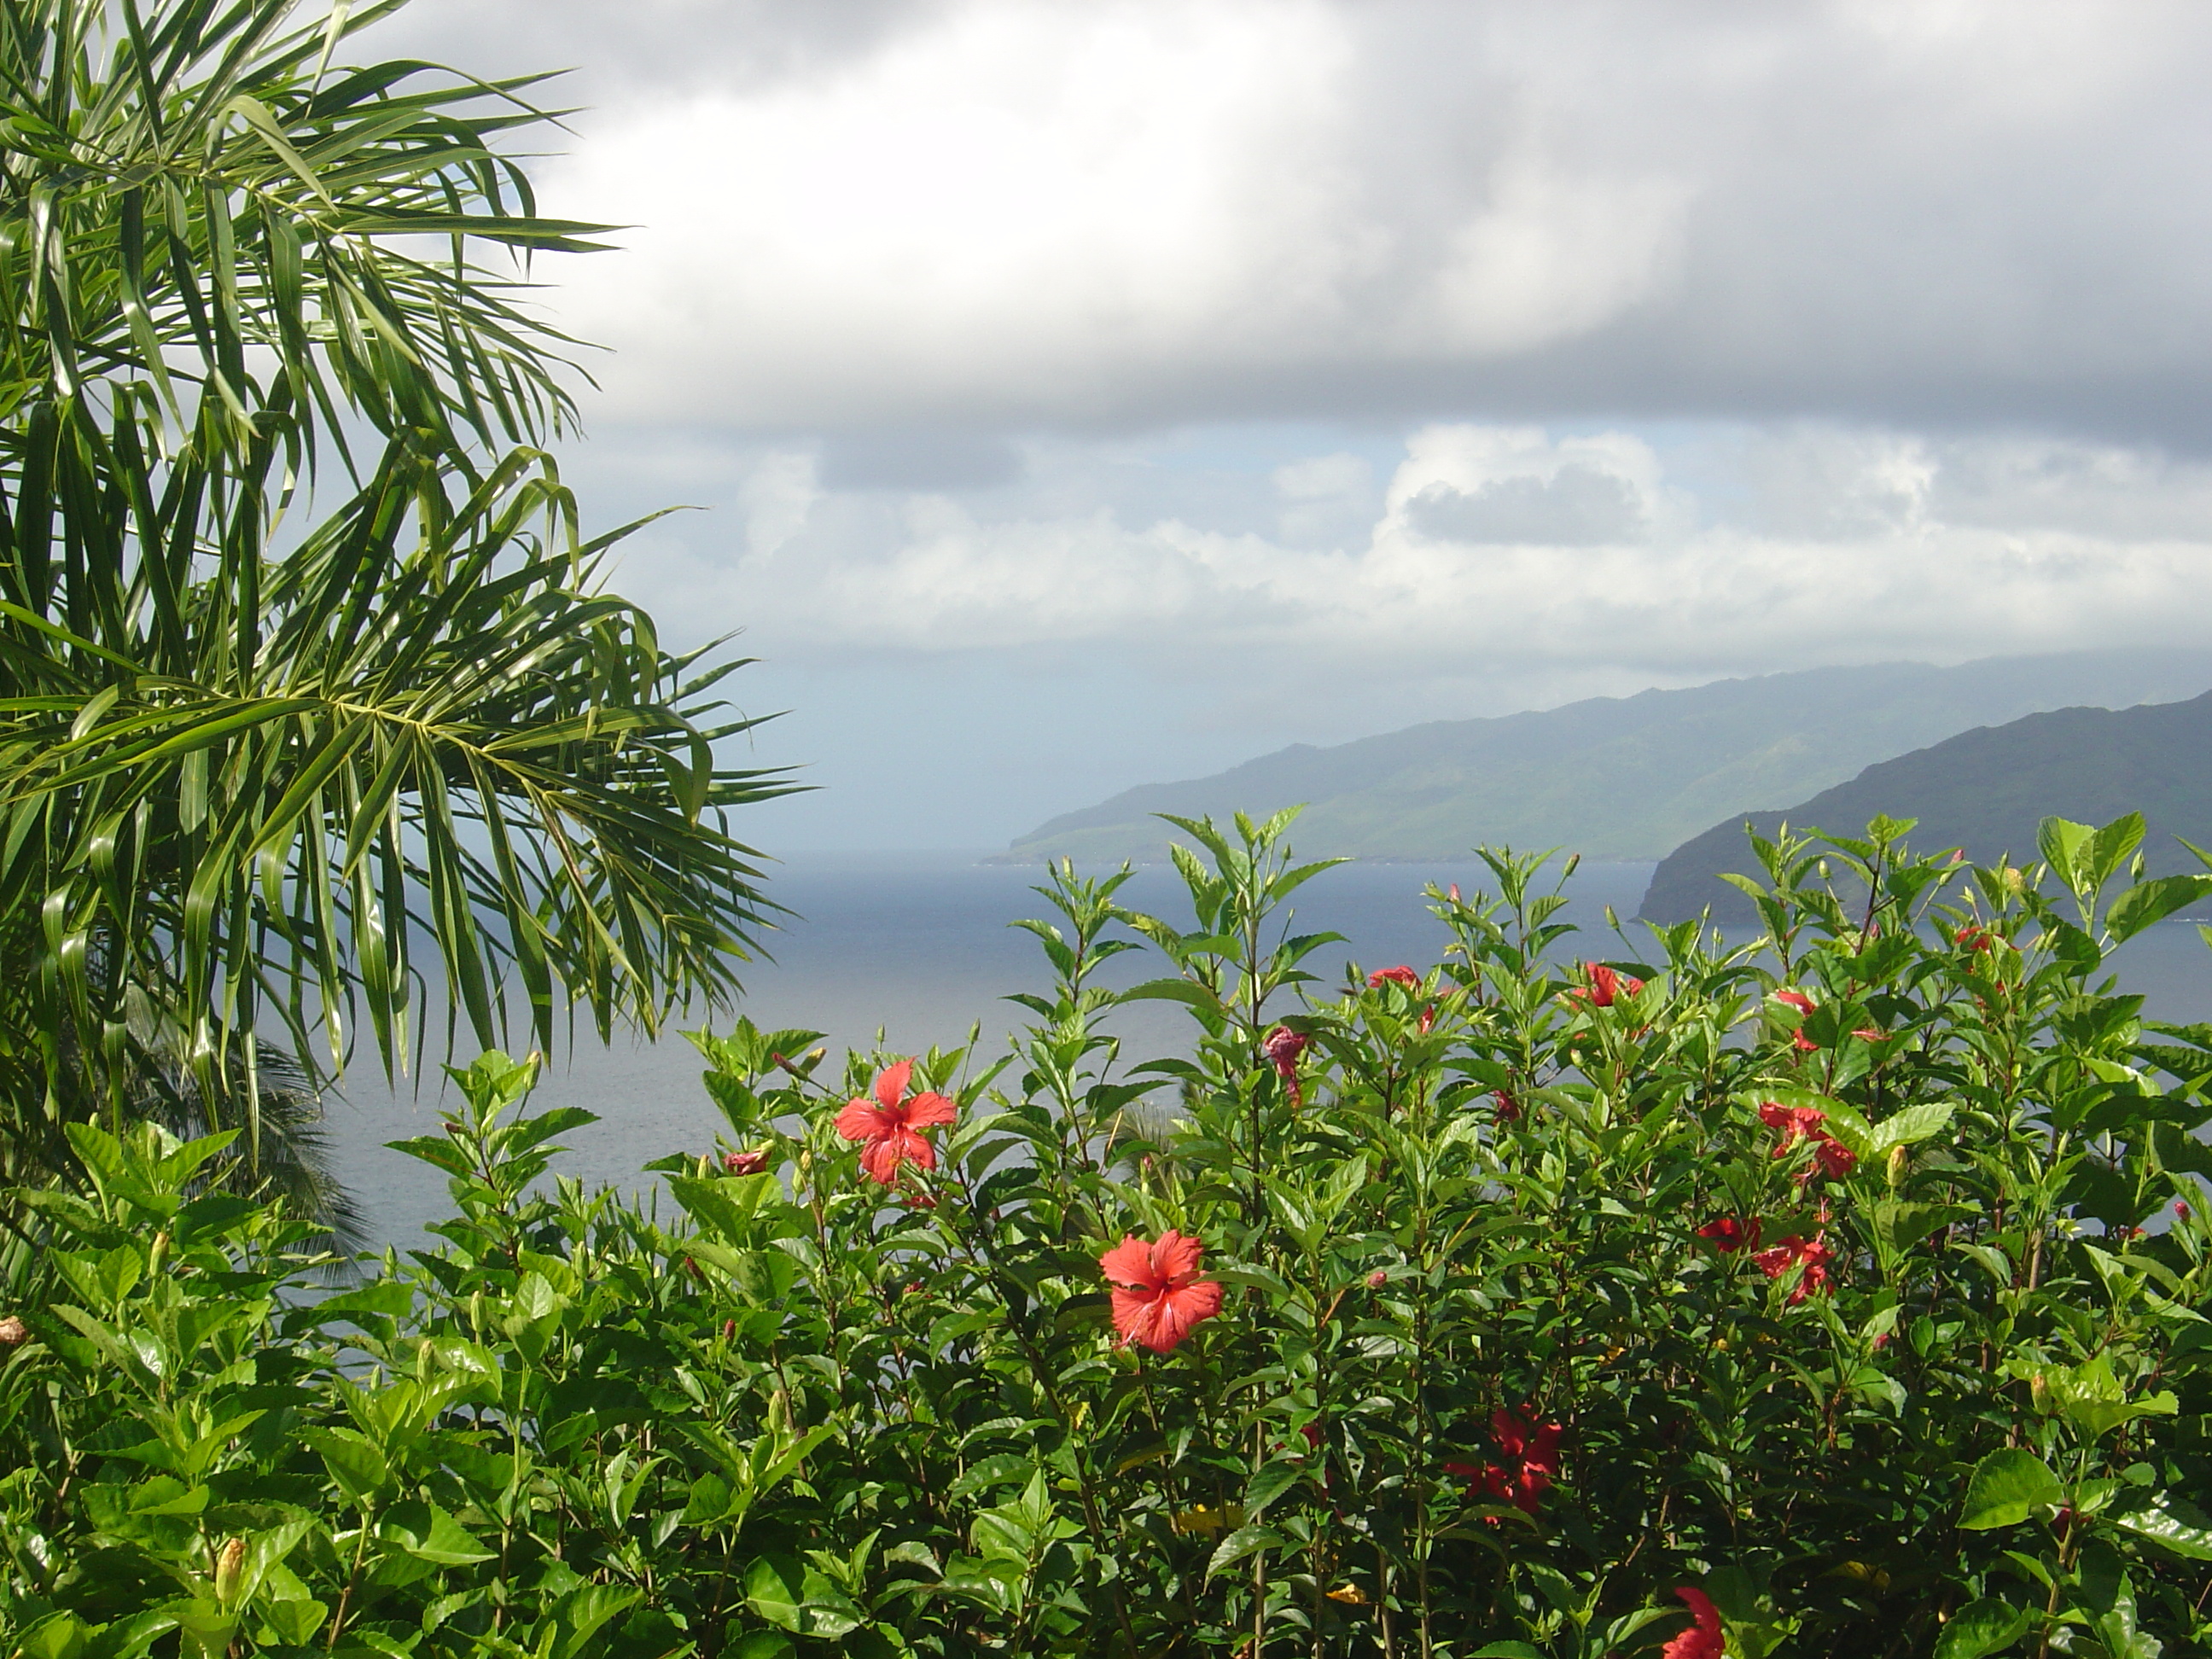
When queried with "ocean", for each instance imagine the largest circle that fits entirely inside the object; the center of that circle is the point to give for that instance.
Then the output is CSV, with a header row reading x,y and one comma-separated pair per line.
x,y
918,947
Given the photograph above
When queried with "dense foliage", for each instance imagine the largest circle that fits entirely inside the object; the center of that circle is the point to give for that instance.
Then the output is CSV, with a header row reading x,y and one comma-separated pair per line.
x,y
1852,1280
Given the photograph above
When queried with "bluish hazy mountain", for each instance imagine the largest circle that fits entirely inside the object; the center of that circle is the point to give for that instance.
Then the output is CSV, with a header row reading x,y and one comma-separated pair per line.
x,y
1617,778
1985,791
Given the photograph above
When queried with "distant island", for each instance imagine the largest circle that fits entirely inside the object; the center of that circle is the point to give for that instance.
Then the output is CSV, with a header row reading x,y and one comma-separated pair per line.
x,y
1985,791
1633,778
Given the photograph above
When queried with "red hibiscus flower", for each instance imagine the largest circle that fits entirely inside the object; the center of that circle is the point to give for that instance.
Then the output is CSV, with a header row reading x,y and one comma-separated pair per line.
x,y
1157,1294
1702,1639
1813,1254
1729,1235
1971,938
1282,1047
1401,974
1532,1461
1605,986
891,1125
745,1164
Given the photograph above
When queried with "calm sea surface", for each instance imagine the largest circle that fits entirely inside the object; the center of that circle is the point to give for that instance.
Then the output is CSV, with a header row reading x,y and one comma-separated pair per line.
x,y
919,945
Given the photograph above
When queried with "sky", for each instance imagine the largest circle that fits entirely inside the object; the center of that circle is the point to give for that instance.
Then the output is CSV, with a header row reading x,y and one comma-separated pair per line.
x,y
1077,396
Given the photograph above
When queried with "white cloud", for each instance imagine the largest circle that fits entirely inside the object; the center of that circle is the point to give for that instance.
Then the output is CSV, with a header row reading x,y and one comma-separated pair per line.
x,y
1034,209
1013,213
1820,544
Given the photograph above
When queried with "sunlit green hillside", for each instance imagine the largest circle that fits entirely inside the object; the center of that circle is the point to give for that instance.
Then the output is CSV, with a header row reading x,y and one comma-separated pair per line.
x,y
1617,777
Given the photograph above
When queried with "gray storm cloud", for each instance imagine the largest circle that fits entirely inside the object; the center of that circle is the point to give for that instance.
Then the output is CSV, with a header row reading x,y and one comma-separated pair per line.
x,y
1004,213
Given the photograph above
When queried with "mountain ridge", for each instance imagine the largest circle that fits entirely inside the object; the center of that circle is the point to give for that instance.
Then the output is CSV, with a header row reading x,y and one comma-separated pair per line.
x,y
1619,778
1984,790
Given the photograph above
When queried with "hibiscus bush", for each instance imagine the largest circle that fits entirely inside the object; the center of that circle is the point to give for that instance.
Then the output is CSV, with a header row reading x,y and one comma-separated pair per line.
x,y
1837,1291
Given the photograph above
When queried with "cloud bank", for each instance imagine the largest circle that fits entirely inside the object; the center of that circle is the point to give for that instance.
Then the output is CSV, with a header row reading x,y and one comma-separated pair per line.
x,y
1007,214
1737,548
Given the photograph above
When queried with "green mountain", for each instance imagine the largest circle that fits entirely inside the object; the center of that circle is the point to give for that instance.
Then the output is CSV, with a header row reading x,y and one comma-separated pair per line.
x,y
1985,791
1626,778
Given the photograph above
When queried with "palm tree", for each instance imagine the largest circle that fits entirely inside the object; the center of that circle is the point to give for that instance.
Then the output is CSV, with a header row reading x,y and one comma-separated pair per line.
x,y
260,776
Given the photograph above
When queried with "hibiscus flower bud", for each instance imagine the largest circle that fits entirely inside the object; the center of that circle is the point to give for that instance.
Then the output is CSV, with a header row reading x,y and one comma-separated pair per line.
x,y
1899,1161
229,1562
745,1164
1377,1280
2039,1394
14,1333
729,1330
159,1254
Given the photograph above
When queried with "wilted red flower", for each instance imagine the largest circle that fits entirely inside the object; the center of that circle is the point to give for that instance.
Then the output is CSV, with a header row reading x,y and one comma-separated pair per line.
x,y
1157,1294
745,1164
891,1124
1484,1480
1282,1047
1796,1122
1532,1460
1702,1639
1813,1254
1832,1158
1729,1235
1803,1005
1605,985
14,1333
1401,974
1508,1109
1536,1446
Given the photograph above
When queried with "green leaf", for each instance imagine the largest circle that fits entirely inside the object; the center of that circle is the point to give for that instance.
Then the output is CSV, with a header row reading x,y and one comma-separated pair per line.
x,y
799,1599
1903,1225
1908,1126
2062,842
1246,1539
2173,1522
295,1621
1981,1628
2007,1486
57,1636
427,1532
2153,901
354,1462
1271,1481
